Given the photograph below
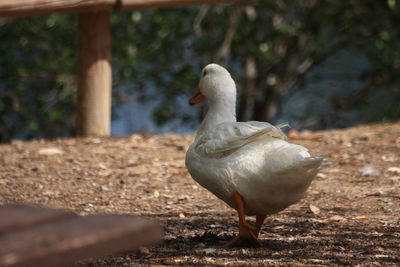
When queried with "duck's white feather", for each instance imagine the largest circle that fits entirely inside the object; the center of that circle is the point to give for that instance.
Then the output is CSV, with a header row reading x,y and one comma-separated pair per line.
x,y
251,158
230,136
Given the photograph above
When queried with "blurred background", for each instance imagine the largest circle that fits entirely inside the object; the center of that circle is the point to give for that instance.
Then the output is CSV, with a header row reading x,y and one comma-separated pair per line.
x,y
316,64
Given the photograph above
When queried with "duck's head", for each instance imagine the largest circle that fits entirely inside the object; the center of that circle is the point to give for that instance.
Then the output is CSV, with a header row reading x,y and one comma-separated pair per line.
x,y
216,84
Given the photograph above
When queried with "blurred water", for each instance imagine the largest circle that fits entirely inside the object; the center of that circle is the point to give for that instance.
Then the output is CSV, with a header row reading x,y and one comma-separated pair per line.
x,y
134,116
307,106
312,105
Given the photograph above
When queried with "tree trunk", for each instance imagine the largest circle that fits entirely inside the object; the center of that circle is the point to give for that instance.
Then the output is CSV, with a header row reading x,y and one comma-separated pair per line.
x,y
247,98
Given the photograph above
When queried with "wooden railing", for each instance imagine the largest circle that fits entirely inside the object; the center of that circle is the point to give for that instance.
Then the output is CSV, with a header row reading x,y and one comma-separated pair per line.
x,y
93,111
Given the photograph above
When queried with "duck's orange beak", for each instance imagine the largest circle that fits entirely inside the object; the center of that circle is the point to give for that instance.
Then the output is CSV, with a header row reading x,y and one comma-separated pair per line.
x,y
197,98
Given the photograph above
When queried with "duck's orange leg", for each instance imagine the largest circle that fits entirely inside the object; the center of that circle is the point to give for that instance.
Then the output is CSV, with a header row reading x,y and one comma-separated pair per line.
x,y
246,236
259,222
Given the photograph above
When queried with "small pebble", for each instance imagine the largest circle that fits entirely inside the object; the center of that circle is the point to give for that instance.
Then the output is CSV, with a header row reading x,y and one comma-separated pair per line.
x,y
142,252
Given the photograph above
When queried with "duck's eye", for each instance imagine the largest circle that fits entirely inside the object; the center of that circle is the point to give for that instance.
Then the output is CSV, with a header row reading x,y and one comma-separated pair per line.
x,y
204,73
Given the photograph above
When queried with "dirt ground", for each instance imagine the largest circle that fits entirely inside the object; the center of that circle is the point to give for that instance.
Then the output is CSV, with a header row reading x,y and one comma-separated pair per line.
x,y
349,217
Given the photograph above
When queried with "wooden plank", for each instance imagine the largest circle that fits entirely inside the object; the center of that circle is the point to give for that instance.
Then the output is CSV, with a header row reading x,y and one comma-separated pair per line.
x,y
67,241
16,8
128,5
94,77
17,217
20,8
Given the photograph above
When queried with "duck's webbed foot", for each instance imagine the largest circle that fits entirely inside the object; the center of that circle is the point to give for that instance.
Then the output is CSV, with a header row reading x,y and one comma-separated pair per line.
x,y
247,234
245,238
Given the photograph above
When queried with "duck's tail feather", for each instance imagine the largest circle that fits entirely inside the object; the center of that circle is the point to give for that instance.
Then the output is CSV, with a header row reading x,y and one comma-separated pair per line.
x,y
301,172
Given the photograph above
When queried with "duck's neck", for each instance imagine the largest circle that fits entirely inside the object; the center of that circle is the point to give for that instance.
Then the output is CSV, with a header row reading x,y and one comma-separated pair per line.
x,y
223,110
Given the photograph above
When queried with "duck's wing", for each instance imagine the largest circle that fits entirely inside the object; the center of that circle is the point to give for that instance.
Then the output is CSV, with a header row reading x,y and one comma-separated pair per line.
x,y
227,137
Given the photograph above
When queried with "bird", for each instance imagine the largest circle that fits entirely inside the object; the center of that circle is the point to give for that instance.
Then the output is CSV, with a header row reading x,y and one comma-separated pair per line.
x,y
250,166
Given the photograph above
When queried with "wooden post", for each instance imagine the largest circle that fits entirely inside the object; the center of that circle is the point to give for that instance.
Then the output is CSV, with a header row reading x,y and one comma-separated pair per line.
x,y
94,74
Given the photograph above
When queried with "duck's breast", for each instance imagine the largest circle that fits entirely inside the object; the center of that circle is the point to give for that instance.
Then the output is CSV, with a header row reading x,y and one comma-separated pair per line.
x,y
212,173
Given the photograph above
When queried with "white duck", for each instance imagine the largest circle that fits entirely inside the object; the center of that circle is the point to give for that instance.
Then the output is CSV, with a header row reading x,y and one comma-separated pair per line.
x,y
249,165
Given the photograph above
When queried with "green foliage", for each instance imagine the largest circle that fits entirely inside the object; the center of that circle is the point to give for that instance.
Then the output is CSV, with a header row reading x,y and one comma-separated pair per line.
x,y
37,70
158,54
